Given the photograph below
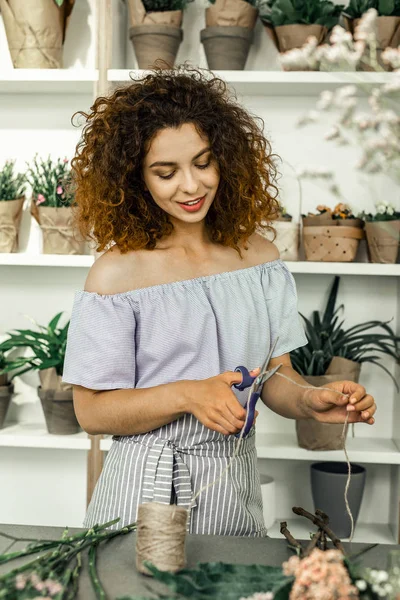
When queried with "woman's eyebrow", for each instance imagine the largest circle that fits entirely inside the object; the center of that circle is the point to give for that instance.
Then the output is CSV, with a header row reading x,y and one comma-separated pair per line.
x,y
163,163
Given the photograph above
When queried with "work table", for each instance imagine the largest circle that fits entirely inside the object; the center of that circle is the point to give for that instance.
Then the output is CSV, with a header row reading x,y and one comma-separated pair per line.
x,y
116,559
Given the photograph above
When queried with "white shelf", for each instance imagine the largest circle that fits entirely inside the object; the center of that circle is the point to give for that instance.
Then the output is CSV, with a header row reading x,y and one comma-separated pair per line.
x,y
364,450
284,447
31,435
364,533
340,268
48,81
279,83
23,259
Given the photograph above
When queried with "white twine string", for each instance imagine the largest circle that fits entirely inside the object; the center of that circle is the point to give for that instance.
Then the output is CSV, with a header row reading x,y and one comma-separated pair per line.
x,y
239,442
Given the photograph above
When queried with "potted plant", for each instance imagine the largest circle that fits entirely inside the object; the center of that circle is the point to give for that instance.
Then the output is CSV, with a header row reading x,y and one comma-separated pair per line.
x,y
286,237
156,30
383,233
334,353
332,235
51,205
12,190
47,353
290,23
6,388
35,31
228,34
386,32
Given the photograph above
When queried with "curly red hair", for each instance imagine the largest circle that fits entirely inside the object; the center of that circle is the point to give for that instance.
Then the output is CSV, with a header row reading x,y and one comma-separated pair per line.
x,y
111,204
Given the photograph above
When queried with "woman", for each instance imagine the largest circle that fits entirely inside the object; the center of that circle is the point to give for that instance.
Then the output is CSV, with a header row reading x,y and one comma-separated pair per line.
x,y
173,178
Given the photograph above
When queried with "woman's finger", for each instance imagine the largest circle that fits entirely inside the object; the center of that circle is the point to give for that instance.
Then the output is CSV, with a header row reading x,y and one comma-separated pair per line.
x,y
365,404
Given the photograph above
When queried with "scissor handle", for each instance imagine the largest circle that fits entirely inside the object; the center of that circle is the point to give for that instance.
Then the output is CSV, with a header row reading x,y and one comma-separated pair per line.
x,y
247,379
251,409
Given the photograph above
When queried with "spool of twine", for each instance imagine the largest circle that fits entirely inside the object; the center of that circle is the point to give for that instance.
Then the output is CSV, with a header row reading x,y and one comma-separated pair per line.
x,y
160,537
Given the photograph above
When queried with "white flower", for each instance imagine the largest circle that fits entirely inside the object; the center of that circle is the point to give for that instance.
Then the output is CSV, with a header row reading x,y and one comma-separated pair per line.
x,y
390,211
361,585
381,209
325,100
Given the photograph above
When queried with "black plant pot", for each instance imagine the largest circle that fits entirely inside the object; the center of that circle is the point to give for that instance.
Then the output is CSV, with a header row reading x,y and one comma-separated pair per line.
x,y
328,481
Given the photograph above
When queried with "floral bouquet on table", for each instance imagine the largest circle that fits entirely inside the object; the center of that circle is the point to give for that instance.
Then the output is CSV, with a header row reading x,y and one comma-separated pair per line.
x,y
12,197
383,233
51,206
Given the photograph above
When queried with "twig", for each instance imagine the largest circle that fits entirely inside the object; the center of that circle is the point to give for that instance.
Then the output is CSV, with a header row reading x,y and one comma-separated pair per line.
x,y
313,543
292,541
322,542
320,523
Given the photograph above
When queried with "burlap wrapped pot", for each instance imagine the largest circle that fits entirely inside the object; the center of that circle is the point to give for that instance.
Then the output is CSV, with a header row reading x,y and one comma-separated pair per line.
x,y
228,34
35,31
383,238
57,403
334,240
10,220
6,392
313,435
59,235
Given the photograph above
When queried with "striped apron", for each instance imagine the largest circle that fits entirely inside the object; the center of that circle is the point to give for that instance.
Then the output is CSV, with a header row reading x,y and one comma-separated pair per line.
x,y
170,465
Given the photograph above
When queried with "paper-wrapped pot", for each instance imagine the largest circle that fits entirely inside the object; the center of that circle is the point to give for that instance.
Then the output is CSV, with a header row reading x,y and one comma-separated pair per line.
x,y
59,235
383,238
387,36
10,220
6,392
313,435
35,31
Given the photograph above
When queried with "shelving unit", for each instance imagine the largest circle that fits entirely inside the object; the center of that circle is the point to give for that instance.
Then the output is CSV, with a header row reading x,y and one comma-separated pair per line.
x,y
36,107
35,435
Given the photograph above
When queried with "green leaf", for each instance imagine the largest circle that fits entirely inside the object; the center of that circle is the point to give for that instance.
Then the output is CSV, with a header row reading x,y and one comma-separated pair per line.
x,y
385,7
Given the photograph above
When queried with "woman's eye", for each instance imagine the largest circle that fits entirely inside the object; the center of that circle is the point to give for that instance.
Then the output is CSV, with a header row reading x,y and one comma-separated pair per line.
x,y
203,166
167,176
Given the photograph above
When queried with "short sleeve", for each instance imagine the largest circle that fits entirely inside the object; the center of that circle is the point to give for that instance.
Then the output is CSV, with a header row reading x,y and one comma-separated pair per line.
x,y
284,318
100,352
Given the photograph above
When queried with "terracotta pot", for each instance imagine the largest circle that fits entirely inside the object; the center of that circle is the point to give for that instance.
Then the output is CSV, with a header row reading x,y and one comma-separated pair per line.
x,y
59,413
153,42
313,435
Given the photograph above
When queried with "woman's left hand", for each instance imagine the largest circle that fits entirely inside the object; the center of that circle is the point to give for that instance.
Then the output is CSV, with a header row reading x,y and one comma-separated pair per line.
x,y
348,398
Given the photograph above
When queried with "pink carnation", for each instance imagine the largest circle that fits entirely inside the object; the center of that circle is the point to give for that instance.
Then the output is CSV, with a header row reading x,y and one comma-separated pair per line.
x,y
40,199
320,576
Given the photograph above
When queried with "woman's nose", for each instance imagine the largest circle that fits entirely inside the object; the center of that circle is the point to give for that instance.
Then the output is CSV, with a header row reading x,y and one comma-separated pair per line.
x,y
189,183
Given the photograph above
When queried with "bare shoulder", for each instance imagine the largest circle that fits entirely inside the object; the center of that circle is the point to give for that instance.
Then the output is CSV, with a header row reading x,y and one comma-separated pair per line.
x,y
113,273
264,250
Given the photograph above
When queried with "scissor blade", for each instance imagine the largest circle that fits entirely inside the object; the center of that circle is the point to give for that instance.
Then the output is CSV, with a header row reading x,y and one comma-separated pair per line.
x,y
269,374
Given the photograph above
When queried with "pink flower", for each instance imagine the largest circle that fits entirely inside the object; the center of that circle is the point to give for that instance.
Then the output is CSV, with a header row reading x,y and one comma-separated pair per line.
x,y
40,199
20,582
59,190
65,161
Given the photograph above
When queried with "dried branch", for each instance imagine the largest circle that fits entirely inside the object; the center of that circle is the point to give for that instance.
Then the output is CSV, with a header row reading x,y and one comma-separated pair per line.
x,y
320,523
292,541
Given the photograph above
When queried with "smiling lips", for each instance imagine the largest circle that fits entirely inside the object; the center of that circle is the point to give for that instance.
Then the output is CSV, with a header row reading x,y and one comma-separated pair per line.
x,y
194,205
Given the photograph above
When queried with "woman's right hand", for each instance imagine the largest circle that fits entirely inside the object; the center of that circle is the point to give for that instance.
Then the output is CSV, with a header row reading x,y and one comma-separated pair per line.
x,y
214,404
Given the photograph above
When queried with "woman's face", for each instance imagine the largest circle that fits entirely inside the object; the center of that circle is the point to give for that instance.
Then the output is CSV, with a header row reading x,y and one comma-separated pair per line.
x,y
178,169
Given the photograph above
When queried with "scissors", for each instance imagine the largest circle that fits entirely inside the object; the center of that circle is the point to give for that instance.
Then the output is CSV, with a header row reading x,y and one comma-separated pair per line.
x,y
248,381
